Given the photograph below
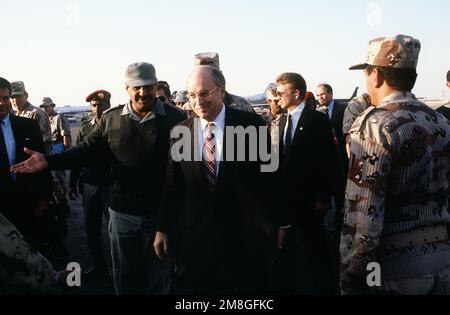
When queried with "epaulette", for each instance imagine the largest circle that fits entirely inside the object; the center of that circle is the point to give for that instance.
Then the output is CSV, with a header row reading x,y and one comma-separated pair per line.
x,y
113,109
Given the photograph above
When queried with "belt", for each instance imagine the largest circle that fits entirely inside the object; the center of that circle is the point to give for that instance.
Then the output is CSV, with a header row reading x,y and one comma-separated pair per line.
x,y
424,235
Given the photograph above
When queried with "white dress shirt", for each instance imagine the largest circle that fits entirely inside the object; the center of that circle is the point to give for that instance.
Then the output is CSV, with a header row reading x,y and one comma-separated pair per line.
x,y
296,114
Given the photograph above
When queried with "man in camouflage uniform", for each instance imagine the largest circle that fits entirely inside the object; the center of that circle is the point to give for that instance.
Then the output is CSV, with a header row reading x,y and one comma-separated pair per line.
x,y
95,187
398,184
212,59
22,270
276,112
19,98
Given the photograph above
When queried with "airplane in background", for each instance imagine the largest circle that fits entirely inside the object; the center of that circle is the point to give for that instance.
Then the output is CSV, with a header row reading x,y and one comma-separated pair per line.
x,y
74,113
73,110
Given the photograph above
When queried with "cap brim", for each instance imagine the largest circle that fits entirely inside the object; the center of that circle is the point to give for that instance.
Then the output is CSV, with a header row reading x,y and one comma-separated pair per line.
x,y
360,66
136,83
17,94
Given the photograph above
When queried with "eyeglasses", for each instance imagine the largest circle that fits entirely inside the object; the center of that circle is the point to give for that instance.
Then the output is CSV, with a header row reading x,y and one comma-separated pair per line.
x,y
204,95
281,94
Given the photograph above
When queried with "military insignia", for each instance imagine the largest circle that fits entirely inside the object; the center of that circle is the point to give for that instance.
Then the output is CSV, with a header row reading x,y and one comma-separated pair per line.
x,y
394,59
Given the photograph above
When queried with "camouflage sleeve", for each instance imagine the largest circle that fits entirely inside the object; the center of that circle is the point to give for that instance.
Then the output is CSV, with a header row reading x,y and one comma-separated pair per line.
x,y
64,125
353,110
44,125
22,270
364,213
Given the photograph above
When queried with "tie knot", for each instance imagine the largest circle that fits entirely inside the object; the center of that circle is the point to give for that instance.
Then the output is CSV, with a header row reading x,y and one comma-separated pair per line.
x,y
210,128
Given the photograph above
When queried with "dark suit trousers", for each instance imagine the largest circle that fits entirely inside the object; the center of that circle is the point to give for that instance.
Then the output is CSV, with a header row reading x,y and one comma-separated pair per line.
x,y
213,277
311,234
304,266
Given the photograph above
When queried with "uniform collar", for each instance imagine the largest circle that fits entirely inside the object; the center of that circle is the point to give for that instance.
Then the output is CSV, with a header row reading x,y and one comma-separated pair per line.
x,y
157,109
398,97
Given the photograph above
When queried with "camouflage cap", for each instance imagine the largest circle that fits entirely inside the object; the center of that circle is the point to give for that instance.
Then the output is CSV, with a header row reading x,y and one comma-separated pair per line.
x,y
101,96
140,74
181,97
207,59
18,88
46,102
401,51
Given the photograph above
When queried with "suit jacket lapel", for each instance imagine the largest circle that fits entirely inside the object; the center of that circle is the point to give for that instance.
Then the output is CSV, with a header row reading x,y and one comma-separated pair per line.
x,y
300,126
18,138
223,163
196,163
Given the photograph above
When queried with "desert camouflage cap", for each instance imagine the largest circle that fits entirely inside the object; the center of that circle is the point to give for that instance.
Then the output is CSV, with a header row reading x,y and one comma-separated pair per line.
x,y
181,97
18,88
46,101
207,59
401,51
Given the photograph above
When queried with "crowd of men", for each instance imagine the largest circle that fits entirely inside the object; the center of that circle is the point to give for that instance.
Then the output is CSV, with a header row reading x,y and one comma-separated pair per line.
x,y
357,185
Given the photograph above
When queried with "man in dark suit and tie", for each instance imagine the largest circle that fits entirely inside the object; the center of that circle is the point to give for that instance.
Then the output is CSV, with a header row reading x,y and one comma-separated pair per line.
x,y
24,198
335,113
219,202
307,173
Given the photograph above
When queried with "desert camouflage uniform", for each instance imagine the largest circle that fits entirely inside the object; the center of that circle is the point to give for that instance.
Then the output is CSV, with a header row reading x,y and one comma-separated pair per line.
x,y
41,117
275,130
60,128
22,270
398,182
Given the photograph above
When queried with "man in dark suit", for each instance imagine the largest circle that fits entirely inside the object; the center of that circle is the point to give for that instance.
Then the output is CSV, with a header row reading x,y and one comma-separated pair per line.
x,y
308,171
335,113
219,201
24,198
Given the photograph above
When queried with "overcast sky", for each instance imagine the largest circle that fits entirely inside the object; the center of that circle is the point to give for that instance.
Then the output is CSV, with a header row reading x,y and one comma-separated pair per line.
x,y
67,49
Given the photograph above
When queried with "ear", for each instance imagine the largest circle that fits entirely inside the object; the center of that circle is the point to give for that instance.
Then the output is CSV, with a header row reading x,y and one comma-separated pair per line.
x,y
297,94
378,78
448,85
222,92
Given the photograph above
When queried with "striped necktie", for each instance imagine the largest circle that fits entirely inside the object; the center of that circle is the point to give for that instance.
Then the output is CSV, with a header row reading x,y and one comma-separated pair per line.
x,y
209,157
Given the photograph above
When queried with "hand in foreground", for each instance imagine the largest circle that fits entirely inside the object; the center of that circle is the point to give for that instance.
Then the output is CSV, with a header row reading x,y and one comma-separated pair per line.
x,y
161,245
36,163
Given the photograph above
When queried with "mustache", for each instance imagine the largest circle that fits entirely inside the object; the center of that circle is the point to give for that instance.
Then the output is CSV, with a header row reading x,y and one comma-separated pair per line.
x,y
145,98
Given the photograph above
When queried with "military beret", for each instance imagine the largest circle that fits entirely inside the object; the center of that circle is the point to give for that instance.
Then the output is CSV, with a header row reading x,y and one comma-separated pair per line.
x,y
100,96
